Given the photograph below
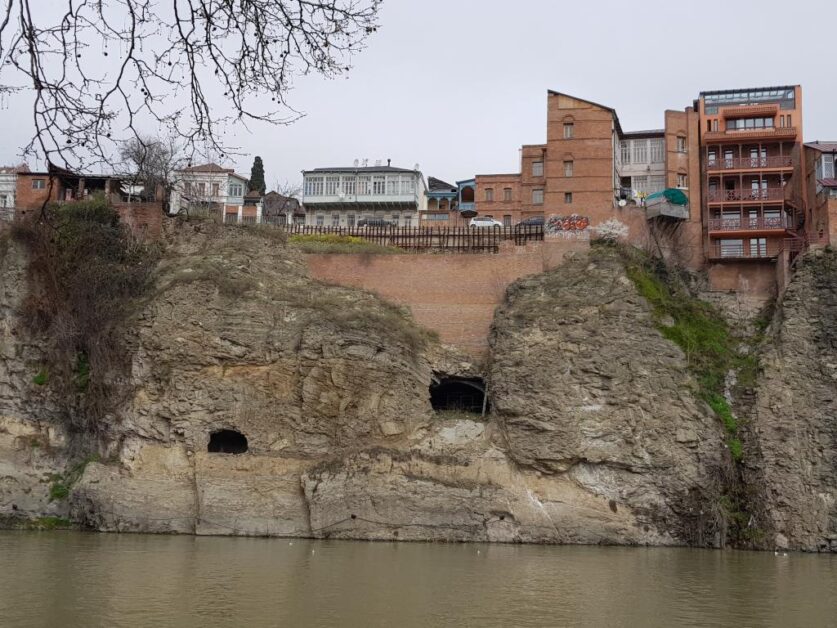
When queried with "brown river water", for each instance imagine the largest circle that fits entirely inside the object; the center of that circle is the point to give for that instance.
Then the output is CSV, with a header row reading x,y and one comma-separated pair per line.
x,y
70,579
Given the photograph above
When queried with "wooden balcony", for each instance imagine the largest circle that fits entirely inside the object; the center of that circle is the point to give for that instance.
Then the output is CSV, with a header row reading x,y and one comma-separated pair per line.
x,y
750,163
742,135
748,226
725,251
750,111
746,196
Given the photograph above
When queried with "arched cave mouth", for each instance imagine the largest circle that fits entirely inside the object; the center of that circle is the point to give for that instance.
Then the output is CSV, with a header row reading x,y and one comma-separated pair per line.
x,y
458,394
227,442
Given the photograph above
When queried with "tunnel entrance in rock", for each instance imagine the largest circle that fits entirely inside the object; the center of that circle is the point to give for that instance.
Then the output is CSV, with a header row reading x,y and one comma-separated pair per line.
x,y
458,394
227,442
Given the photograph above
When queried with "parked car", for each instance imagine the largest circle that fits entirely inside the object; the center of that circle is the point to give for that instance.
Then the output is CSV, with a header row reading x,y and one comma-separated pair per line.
x,y
484,221
532,221
375,222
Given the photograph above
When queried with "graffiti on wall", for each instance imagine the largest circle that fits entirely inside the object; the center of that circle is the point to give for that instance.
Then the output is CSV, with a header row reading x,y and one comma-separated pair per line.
x,y
568,227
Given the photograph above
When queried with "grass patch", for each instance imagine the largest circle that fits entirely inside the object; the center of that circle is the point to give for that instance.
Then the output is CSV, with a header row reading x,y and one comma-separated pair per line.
x,y
49,523
41,378
62,484
701,332
340,244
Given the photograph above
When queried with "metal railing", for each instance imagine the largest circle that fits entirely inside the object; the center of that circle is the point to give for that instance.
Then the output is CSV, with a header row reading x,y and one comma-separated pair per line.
x,y
720,250
746,163
745,195
760,223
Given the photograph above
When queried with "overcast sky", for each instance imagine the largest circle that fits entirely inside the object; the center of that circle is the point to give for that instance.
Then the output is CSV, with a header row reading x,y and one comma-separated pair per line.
x,y
458,85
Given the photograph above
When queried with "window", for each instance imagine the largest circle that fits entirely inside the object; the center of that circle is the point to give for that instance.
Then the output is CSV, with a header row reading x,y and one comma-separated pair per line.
x,y
335,220
408,185
537,197
568,198
202,189
379,185
656,183
313,187
568,168
187,187
537,168
681,144
489,195
788,119
782,121
682,181
320,220
715,125
350,220
331,185
569,130
740,124
709,125
639,185
507,194
408,220
625,151
758,247
658,151
363,186
507,220
395,218
348,186
393,186
38,184
711,157
436,217
236,189
215,189
640,151
732,248
827,170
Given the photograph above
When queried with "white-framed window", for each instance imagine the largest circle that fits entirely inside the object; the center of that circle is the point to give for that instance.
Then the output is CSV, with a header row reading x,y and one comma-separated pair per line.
x,y
658,151
537,168
347,185
331,185
639,185
350,220
489,195
437,217
568,168
681,144
758,247
38,184
625,151
320,220
215,188
682,181
313,186
379,185
569,130
393,186
202,189
335,220
408,185
825,167
537,197
236,189
507,194
3,202
507,220
656,183
732,248
568,198
640,151
364,185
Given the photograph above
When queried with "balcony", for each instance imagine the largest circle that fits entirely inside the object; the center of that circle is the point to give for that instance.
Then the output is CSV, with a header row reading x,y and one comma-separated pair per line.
x,y
739,250
761,223
750,163
746,196
738,135
750,111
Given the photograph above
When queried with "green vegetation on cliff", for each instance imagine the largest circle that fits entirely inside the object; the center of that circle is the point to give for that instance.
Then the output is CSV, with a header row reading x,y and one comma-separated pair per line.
x,y
335,243
700,331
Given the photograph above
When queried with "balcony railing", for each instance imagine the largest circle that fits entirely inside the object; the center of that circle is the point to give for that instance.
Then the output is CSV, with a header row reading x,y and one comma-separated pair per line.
x,y
741,134
746,196
762,223
745,163
751,250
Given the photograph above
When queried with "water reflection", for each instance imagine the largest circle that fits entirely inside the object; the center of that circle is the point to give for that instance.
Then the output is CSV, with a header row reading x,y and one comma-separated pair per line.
x,y
72,579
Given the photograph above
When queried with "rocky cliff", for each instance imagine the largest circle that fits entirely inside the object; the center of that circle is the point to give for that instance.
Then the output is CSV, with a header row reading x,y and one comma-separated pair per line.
x,y
593,435
794,420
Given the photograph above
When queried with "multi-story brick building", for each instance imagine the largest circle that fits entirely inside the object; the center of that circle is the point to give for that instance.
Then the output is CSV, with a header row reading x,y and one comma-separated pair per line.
x,y
821,182
341,197
750,152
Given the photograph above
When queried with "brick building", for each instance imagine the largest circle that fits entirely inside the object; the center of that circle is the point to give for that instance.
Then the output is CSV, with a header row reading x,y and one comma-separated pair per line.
x,y
821,182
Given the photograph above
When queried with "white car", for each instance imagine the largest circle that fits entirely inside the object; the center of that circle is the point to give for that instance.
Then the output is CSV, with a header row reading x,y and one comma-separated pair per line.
x,y
485,221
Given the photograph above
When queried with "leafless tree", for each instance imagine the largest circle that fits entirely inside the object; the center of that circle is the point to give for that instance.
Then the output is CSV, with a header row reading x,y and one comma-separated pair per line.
x,y
282,201
150,163
100,71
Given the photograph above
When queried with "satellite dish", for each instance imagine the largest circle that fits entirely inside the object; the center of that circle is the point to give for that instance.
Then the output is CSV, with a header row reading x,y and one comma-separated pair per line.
x,y
622,202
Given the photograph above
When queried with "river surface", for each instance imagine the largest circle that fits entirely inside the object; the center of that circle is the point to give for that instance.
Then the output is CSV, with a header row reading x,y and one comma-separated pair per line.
x,y
70,579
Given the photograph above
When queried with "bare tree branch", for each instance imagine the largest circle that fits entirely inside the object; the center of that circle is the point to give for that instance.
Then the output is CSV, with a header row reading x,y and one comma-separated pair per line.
x,y
105,71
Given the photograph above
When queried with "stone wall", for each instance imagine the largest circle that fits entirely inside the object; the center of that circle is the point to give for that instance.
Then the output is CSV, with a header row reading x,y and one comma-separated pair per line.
x,y
454,295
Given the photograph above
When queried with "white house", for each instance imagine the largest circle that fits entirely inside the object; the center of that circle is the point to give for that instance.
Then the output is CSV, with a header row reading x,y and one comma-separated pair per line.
x,y
8,188
210,187
341,197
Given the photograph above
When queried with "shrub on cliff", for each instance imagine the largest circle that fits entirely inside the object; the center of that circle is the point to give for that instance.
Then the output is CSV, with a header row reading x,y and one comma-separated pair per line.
x,y
86,274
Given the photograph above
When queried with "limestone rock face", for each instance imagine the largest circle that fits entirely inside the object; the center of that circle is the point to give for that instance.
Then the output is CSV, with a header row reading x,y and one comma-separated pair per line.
x,y
585,387
795,418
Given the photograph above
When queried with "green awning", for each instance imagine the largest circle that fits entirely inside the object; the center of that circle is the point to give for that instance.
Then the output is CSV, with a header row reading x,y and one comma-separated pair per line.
x,y
672,195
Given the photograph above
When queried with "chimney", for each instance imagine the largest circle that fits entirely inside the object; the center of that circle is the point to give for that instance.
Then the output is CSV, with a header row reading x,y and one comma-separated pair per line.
x,y
389,161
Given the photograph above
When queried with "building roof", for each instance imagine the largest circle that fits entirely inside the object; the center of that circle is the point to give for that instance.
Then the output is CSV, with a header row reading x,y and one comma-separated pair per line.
x,y
210,167
19,169
641,134
828,183
740,90
823,147
253,194
595,104
361,169
437,185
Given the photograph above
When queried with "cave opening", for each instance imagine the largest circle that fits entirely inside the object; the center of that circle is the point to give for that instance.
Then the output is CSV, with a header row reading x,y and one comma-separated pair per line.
x,y
227,442
458,394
